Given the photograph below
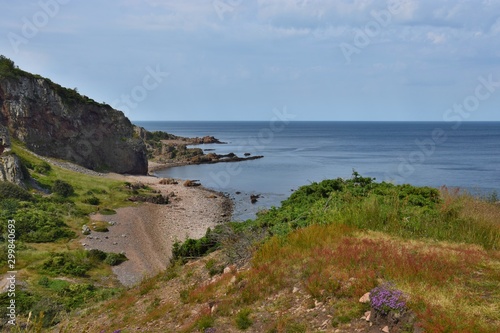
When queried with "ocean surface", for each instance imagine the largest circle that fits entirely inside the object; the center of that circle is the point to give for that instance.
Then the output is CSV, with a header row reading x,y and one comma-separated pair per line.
x,y
464,155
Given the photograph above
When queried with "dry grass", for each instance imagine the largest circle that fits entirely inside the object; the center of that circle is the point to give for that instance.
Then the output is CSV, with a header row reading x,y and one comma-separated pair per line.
x,y
458,283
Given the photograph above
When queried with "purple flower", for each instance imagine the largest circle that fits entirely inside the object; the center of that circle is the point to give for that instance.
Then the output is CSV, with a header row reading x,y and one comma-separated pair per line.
x,y
386,298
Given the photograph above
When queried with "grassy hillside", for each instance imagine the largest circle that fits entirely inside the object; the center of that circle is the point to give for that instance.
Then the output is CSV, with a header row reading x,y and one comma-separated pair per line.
x,y
431,259
56,275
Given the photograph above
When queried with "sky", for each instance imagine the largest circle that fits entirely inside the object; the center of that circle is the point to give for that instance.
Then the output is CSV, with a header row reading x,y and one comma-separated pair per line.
x,y
361,60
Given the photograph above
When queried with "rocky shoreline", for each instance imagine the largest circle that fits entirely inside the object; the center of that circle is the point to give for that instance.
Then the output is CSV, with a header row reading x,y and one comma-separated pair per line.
x,y
167,150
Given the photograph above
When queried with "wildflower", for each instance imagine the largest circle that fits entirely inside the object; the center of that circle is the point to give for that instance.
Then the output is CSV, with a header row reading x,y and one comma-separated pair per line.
x,y
386,298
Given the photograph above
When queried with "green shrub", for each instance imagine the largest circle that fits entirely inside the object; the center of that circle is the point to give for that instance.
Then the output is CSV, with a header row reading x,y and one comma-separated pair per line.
x,y
39,226
43,168
8,207
12,191
62,188
8,68
195,248
44,281
74,263
213,268
243,320
97,255
92,201
114,259
205,322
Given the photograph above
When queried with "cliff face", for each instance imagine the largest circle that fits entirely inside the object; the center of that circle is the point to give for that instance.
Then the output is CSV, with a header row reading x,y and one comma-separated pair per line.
x,y
57,122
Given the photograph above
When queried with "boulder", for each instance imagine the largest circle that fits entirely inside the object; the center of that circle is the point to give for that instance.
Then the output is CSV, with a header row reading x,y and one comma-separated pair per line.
x,y
10,165
365,298
86,230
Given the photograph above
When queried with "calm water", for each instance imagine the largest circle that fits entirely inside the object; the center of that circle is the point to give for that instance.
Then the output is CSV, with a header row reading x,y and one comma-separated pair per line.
x,y
298,153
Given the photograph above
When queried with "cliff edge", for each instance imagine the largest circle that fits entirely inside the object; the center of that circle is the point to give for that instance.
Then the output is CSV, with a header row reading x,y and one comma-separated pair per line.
x,y
58,122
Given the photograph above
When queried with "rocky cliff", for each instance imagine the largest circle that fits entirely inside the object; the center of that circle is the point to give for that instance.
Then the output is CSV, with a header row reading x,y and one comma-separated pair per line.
x,y
57,122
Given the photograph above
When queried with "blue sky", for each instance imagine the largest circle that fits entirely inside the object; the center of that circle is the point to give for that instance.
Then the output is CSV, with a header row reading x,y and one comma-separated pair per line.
x,y
240,60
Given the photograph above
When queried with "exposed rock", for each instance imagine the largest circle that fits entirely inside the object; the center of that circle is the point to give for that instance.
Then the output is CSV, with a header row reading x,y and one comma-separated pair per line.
x,y
4,139
206,139
157,199
247,154
254,198
365,298
168,181
57,122
191,183
10,165
86,230
385,329
10,170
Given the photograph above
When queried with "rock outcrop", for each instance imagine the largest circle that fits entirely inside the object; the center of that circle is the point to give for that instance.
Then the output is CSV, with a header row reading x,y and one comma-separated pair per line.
x,y
57,122
10,165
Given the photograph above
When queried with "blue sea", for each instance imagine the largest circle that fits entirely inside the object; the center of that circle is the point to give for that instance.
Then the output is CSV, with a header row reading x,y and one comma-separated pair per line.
x,y
464,155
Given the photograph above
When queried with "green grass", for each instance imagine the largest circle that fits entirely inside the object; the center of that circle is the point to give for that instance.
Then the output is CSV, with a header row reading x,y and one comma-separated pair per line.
x,y
339,239
111,193
404,210
45,226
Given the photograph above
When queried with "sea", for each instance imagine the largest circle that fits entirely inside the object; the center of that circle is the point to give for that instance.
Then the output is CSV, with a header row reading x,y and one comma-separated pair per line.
x,y
463,155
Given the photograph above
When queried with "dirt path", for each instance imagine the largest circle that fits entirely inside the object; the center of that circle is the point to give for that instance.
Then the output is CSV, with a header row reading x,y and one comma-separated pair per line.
x,y
146,232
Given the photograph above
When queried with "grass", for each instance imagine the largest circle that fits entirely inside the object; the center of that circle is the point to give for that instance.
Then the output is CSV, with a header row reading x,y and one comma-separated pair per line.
x,y
338,240
111,193
404,211
46,227
332,241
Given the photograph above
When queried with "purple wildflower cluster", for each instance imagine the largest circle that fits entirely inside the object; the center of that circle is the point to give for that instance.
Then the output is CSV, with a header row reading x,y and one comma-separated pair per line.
x,y
386,298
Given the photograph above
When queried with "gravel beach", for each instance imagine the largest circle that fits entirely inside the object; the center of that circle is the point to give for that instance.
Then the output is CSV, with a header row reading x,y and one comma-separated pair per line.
x,y
146,232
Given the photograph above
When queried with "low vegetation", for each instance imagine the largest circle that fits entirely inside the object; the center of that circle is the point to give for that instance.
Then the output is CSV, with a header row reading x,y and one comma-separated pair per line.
x,y
429,257
58,276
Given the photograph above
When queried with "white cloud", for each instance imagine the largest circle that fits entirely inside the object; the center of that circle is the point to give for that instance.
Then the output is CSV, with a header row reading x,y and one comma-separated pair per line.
x,y
436,38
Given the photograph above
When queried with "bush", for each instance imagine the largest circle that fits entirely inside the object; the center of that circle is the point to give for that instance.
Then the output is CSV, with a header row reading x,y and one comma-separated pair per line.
x,y
97,255
92,201
43,168
12,191
243,319
62,188
40,226
195,248
205,322
114,259
67,263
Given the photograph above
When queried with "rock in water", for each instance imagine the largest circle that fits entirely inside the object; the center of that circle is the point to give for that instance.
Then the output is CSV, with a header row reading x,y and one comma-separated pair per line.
x,y
57,122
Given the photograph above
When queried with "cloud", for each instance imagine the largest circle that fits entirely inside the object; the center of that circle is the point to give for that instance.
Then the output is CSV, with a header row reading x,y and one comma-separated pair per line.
x,y
436,38
254,54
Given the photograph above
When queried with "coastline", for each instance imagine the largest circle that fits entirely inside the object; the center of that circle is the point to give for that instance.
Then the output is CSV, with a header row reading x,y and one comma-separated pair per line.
x,y
156,166
146,232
